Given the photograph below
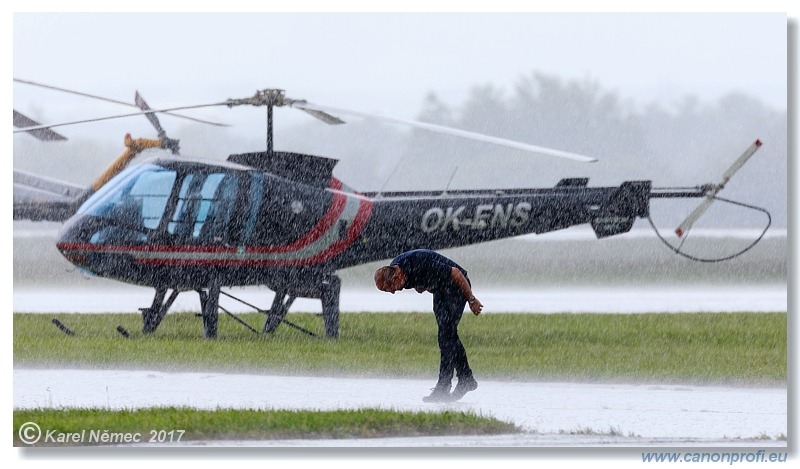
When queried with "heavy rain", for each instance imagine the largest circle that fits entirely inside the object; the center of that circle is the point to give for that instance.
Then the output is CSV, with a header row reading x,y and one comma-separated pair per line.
x,y
669,98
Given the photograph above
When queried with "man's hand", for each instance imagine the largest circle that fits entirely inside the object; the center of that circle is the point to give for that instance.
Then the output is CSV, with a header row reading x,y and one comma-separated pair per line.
x,y
475,306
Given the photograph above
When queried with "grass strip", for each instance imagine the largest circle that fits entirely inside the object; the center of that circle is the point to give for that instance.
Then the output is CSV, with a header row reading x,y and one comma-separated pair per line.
x,y
707,347
81,427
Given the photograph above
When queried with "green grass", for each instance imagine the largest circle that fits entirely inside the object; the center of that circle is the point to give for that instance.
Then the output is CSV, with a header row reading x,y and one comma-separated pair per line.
x,y
174,425
723,347
708,347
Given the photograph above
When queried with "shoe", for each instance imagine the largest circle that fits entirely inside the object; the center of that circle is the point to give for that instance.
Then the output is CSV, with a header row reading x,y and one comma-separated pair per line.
x,y
439,395
464,386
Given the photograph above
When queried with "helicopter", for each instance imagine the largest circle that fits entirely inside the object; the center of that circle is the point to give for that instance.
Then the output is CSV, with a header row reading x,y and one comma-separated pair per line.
x,y
284,221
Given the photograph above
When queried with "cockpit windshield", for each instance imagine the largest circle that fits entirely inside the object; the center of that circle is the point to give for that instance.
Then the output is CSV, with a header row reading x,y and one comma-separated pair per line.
x,y
190,205
136,199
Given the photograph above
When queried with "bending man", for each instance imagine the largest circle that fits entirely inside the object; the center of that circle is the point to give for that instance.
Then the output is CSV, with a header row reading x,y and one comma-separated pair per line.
x,y
426,270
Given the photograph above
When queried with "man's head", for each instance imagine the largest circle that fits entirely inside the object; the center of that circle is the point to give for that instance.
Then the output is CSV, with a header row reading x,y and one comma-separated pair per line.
x,y
390,278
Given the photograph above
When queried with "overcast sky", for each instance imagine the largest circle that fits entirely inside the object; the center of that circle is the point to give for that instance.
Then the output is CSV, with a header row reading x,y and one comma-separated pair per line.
x,y
386,62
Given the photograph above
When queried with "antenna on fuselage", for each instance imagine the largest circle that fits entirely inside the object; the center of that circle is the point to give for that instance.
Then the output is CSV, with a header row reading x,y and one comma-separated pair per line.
x,y
269,130
447,187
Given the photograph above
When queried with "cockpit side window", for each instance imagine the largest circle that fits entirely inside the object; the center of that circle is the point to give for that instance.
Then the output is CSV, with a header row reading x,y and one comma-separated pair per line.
x,y
219,221
151,193
205,208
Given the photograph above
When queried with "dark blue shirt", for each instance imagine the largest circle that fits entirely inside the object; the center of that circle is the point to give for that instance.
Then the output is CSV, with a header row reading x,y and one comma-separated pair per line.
x,y
426,269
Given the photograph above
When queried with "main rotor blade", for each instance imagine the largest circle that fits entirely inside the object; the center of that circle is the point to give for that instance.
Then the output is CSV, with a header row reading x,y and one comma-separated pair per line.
x,y
306,106
115,101
23,121
119,116
324,116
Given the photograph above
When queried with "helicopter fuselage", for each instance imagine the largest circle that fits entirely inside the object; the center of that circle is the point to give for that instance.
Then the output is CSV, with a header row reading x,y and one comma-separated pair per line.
x,y
183,223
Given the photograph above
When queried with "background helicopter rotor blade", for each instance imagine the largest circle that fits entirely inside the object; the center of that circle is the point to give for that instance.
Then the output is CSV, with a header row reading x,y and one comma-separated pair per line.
x,y
115,101
22,121
309,107
167,142
142,104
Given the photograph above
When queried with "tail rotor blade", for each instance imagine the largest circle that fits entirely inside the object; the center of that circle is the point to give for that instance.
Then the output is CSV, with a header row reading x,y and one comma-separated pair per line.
x,y
697,213
684,227
740,161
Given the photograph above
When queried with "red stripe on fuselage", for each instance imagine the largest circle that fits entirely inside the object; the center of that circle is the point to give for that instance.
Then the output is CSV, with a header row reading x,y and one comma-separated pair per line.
x,y
330,217
360,221
324,224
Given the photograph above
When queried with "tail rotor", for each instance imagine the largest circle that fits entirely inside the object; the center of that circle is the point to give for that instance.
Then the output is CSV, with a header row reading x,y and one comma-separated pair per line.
x,y
713,189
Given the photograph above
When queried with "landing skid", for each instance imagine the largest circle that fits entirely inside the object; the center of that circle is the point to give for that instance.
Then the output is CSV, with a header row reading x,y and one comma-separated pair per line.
x,y
209,305
152,316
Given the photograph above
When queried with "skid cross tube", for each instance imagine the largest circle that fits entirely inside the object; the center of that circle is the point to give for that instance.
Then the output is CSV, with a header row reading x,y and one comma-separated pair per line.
x,y
290,324
239,320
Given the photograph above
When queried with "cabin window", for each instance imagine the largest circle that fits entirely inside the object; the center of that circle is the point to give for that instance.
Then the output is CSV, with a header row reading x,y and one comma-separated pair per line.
x,y
204,211
255,196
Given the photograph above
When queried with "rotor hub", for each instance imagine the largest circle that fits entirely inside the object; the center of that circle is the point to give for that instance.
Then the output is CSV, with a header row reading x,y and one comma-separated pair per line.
x,y
267,97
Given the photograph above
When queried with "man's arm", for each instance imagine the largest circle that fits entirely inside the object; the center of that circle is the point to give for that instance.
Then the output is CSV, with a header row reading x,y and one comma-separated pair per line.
x,y
474,305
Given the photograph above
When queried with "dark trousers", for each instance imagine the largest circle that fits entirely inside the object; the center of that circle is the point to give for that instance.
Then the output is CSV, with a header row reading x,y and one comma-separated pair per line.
x,y
448,306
